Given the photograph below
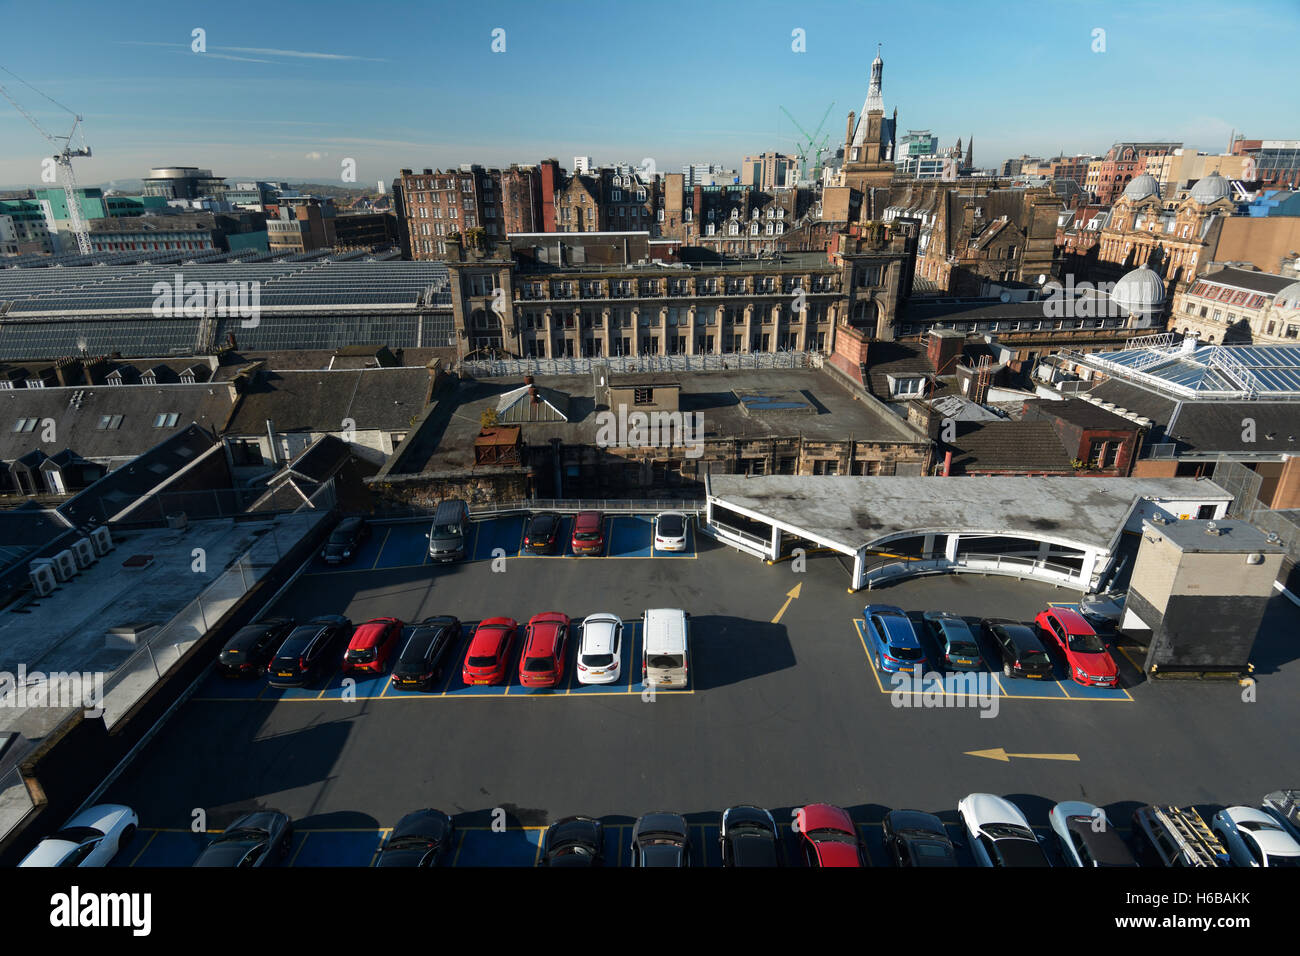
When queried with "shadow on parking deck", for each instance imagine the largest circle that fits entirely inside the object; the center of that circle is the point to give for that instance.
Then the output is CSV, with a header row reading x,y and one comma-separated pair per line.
x,y
731,650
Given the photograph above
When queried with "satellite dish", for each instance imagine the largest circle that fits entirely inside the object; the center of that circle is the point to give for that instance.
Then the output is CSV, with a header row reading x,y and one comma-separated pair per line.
x,y
1005,297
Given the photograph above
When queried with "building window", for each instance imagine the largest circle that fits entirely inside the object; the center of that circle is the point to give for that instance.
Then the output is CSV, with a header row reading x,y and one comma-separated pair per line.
x,y
109,422
165,419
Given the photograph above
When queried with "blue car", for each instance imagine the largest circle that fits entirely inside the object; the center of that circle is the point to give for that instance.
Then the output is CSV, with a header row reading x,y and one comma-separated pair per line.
x,y
892,639
959,648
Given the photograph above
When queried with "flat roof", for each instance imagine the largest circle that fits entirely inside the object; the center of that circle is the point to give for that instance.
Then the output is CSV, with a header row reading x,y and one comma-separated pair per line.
x,y
1233,537
855,512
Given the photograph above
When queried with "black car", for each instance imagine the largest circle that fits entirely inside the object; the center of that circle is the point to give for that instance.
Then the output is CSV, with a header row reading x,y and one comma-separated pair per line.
x,y
255,839
345,540
749,837
661,839
247,653
542,535
917,839
573,841
308,649
422,651
1023,654
422,838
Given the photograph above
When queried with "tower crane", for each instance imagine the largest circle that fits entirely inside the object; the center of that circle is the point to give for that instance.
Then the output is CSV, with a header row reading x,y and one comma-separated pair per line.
x,y
67,152
812,146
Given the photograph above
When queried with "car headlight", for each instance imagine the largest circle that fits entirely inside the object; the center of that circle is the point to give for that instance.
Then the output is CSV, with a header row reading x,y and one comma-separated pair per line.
x,y
347,554
1079,670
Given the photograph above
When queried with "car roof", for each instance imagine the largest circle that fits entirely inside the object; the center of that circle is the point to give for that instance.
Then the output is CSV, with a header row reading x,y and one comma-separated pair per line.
x,y
1022,635
544,631
49,852
665,631
349,523
489,635
369,632
662,821
587,519
986,808
598,634
915,819
823,816
899,628
752,849
834,853
1074,622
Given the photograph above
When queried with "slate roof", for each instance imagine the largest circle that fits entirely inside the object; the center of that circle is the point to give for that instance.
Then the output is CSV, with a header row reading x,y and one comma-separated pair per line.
x,y
320,460
1262,282
894,358
384,399
1024,446
1078,412
77,425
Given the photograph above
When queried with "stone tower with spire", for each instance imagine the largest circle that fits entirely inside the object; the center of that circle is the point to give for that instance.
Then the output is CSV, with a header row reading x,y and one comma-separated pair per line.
x,y
869,138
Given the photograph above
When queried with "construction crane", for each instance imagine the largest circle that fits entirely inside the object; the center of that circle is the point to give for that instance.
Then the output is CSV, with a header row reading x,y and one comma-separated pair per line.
x,y
812,146
67,152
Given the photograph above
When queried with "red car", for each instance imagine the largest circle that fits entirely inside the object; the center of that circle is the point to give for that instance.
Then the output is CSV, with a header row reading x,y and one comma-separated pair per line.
x,y
372,644
489,651
541,663
588,533
828,837
1089,662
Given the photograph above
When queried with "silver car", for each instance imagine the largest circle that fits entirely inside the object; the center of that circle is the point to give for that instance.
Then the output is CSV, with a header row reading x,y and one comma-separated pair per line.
x,y
1255,838
91,838
1087,837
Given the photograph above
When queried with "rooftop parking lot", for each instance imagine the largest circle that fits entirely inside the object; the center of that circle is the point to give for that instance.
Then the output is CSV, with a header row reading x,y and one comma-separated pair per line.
x,y
785,706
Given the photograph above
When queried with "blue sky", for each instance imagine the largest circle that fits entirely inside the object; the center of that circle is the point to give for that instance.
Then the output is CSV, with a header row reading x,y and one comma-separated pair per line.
x,y
291,89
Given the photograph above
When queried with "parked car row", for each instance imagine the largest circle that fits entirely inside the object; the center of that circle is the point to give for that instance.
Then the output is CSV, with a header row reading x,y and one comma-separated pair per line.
x,y
996,830
1021,649
296,655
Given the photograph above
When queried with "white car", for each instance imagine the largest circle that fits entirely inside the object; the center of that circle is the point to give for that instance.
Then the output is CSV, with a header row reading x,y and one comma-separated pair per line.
x,y
1255,838
91,838
1087,837
999,833
670,531
600,651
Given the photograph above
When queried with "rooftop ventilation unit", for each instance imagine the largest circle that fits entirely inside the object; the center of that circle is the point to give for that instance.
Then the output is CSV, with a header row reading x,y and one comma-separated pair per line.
x,y
42,578
1159,518
102,539
65,565
84,552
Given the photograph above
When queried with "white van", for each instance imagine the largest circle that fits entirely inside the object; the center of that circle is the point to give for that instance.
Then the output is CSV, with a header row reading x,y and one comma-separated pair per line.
x,y
665,639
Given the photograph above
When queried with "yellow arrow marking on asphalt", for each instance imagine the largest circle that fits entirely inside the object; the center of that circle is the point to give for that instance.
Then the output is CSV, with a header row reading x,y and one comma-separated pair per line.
x,y
997,753
790,596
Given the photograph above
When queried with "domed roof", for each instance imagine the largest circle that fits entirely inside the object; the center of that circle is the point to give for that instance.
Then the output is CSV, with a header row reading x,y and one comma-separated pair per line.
x,y
1210,189
1142,187
1289,297
1139,291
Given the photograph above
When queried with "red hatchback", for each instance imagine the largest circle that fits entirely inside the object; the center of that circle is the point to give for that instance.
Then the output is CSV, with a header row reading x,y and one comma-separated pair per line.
x,y
1085,654
489,651
588,533
371,645
541,663
829,837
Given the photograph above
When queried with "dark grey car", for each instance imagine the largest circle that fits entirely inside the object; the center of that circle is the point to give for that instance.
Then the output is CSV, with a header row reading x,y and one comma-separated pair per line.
x,y
260,838
422,838
917,839
661,839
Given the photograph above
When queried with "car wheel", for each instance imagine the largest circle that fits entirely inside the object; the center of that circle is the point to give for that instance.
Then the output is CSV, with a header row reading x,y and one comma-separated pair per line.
x,y
125,838
1006,670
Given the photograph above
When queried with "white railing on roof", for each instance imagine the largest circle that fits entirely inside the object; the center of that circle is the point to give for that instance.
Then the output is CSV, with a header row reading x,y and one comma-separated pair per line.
x,y
1223,361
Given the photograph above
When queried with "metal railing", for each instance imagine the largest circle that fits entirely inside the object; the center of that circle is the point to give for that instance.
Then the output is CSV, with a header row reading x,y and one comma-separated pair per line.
x,y
575,505
710,362
1032,568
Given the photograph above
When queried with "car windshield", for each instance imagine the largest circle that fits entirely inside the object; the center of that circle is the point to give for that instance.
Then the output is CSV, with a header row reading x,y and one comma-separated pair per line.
x,y
597,660
964,648
77,834
905,653
1086,643
830,836
361,655
538,664
671,526
341,537
587,536
481,661
543,524
1034,657
445,530
1289,861
666,660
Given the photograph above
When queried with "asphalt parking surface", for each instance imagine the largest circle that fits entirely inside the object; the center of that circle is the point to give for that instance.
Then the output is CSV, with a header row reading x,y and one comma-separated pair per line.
x,y
784,708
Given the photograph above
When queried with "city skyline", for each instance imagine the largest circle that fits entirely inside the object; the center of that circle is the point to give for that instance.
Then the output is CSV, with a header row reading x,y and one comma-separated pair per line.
x,y
388,92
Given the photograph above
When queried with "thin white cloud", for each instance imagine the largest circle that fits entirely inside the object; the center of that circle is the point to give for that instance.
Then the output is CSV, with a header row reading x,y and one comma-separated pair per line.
x,y
301,54
241,59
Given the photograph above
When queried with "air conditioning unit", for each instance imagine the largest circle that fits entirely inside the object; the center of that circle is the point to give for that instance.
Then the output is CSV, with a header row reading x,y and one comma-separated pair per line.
x,y
102,539
65,565
84,552
42,577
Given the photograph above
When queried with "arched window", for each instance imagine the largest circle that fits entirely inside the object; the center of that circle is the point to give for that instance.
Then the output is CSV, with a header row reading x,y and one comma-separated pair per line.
x,y
733,230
